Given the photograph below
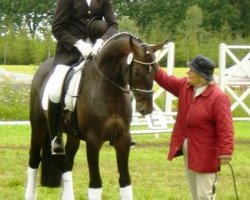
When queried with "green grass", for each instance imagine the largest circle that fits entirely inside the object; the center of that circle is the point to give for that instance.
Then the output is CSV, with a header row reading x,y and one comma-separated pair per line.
x,y
153,177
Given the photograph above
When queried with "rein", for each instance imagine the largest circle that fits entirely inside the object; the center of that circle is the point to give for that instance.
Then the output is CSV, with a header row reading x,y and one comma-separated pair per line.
x,y
107,79
121,88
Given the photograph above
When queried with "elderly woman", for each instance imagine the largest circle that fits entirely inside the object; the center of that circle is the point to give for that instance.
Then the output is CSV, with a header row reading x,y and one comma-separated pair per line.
x,y
203,131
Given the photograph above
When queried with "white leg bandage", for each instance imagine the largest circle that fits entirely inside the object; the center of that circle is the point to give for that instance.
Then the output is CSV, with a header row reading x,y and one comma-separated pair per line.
x,y
126,193
67,186
30,192
94,193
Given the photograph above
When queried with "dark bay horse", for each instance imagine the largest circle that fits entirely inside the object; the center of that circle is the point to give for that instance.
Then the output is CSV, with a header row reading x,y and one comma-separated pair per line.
x,y
103,112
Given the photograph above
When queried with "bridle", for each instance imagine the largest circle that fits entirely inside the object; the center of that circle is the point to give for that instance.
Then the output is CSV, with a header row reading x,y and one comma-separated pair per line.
x,y
137,90
134,90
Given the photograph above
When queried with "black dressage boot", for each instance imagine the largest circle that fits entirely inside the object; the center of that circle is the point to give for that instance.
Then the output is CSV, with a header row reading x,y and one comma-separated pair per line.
x,y
54,112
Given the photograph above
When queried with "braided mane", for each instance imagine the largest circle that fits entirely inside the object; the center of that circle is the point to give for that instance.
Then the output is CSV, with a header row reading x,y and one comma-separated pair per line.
x,y
118,35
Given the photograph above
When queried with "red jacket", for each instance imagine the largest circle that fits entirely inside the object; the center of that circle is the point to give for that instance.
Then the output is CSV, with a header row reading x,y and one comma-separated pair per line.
x,y
205,121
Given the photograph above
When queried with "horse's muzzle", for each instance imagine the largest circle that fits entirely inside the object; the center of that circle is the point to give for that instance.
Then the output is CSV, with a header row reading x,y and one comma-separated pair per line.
x,y
144,107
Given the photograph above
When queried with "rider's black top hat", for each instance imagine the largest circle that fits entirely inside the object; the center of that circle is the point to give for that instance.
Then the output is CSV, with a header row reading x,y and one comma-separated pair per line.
x,y
96,28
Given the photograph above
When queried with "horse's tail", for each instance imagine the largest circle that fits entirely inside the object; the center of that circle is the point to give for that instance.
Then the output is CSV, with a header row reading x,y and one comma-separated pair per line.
x,y
51,166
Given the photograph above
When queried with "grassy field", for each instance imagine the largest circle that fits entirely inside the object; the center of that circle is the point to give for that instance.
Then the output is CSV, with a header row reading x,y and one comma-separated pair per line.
x,y
153,177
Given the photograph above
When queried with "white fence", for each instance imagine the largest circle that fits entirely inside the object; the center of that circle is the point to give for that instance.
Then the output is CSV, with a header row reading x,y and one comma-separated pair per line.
x,y
235,80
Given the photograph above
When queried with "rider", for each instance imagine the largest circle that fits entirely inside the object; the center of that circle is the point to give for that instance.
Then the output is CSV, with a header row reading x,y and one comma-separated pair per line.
x,y
80,28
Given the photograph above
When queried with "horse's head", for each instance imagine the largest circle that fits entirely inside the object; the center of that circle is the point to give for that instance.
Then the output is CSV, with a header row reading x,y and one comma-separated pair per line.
x,y
128,61
142,70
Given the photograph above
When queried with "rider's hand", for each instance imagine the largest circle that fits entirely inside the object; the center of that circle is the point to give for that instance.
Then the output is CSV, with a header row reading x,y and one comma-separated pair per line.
x,y
84,47
97,46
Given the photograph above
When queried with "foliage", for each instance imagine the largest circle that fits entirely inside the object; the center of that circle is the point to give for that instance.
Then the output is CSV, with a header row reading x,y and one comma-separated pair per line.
x,y
17,48
127,24
190,33
196,26
30,14
171,13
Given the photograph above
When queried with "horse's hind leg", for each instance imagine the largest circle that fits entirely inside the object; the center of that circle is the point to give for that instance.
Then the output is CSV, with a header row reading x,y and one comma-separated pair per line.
x,y
71,148
122,147
38,131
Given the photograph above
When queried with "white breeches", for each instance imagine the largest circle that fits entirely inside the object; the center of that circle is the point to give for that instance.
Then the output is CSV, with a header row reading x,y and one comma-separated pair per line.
x,y
56,81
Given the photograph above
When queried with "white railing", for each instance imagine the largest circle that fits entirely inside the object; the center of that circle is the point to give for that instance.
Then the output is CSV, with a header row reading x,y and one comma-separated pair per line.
x,y
235,77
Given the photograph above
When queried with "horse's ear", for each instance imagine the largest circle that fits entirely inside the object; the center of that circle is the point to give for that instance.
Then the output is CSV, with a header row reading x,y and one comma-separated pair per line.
x,y
131,42
133,46
156,47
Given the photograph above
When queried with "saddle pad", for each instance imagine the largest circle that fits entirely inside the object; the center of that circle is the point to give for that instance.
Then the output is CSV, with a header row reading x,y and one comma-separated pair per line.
x,y
72,91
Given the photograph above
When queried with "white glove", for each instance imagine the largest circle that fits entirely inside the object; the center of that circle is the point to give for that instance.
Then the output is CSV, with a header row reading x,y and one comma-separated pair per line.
x,y
84,47
97,46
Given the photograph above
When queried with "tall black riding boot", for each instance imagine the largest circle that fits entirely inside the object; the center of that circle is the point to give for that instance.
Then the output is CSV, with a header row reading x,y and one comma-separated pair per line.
x,y
54,115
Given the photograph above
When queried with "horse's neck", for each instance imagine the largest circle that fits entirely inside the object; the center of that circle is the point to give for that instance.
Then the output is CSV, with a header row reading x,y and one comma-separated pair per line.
x,y
118,47
113,56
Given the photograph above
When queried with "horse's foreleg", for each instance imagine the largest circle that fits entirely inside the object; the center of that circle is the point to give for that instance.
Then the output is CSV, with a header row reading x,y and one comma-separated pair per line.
x,y
71,148
122,147
95,182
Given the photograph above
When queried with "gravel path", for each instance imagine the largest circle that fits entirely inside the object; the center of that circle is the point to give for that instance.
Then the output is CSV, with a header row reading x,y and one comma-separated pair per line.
x,y
14,77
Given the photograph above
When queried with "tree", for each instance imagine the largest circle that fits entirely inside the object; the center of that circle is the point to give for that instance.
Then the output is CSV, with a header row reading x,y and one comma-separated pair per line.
x,y
30,14
190,32
244,7
219,12
196,26
127,24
